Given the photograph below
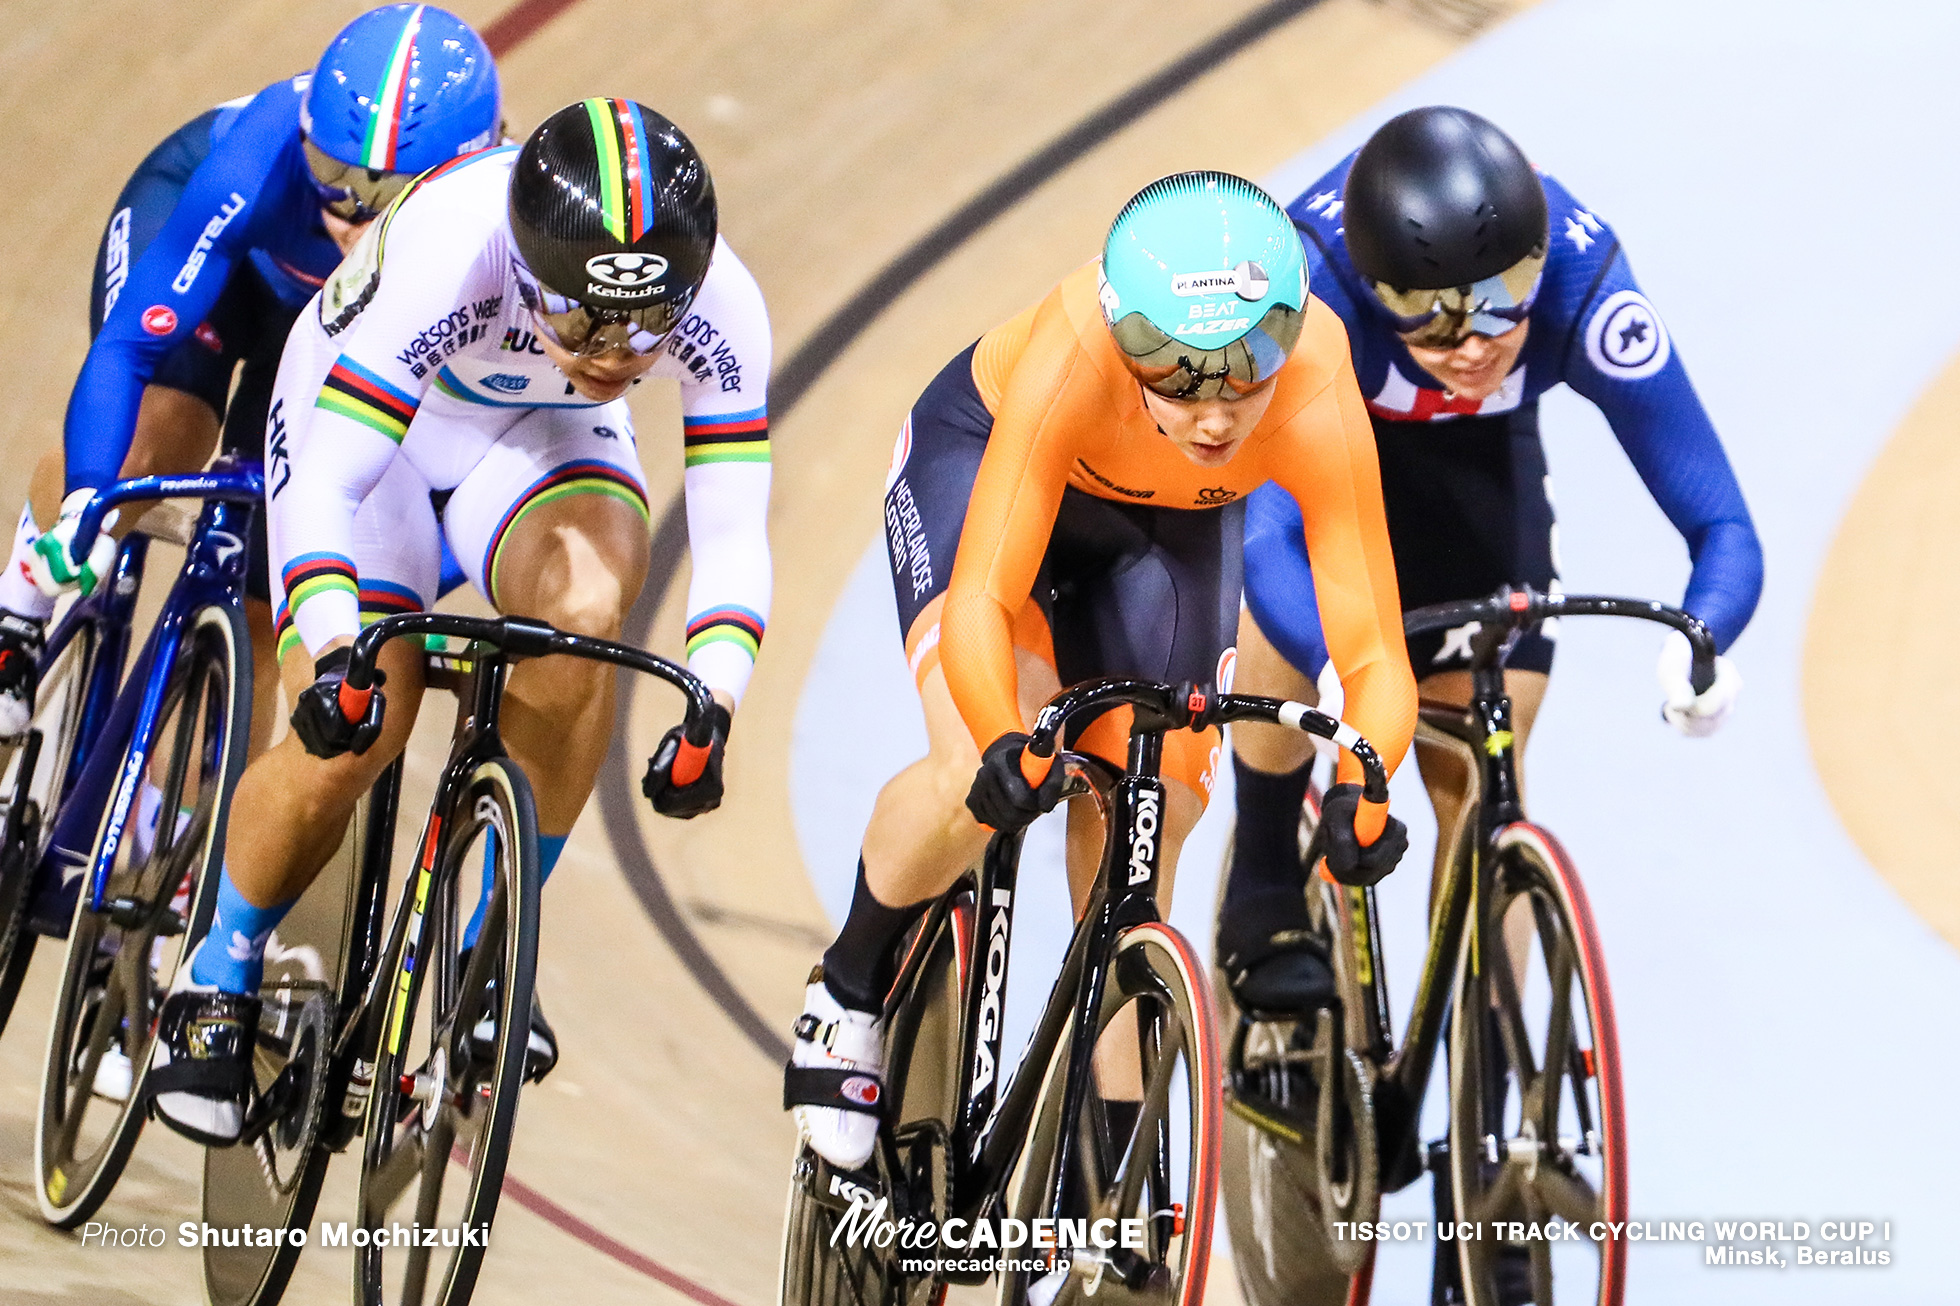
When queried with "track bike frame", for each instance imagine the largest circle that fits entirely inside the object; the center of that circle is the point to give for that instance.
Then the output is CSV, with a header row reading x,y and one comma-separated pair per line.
x,y
96,779
1484,729
993,1123
494,645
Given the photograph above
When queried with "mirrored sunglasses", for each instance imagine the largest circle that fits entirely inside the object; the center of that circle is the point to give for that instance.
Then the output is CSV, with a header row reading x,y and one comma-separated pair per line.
x,y
1177,369
347,190
1444,319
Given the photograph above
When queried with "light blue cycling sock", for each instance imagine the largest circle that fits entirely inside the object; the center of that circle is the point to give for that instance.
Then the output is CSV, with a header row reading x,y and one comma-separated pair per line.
x,y
549,846
232,956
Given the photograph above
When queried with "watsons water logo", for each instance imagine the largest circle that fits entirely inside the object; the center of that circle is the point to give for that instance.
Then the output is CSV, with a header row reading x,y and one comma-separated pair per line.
x,y
1248,281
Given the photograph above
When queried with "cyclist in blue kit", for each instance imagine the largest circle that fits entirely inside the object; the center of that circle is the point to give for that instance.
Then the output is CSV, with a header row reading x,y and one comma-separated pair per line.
x,y
217,241
1470,284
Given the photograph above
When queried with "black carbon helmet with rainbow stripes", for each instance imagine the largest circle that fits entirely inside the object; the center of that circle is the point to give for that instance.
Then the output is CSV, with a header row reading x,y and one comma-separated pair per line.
x,y
613,210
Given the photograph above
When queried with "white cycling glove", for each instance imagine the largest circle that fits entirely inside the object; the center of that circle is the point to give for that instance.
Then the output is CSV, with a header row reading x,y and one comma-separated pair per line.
x,y
54,569
1694,715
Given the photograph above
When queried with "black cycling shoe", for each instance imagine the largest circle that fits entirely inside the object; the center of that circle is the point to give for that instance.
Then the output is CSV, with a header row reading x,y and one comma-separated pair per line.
x,y
201,1072
20,671
1275,963
540,1055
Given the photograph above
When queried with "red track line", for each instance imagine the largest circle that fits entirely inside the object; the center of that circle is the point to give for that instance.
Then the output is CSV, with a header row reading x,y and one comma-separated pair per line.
x,y
520,22
551,1213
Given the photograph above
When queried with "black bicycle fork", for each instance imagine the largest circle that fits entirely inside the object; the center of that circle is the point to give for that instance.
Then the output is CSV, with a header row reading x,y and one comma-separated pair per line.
x,y
993,1128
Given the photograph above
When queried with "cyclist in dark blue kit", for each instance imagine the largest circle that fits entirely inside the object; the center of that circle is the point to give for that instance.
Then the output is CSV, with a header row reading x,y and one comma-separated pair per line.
x,y
1470,284
217,241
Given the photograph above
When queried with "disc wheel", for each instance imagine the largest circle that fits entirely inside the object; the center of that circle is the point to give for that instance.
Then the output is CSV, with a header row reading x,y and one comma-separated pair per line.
x,y
274,1180
32,784
922,1090
1537,1123
121,960
444,1101
1157,1057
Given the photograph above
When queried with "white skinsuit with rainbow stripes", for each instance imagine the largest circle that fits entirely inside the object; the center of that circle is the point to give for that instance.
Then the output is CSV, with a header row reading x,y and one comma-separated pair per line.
x,y
416,370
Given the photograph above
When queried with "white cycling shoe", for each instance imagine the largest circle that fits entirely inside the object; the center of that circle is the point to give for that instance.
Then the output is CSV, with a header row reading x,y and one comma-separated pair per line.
x,y
834,1082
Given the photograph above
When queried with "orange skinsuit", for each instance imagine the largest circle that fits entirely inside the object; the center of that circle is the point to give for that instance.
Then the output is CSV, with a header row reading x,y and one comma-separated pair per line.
x,y
1067,411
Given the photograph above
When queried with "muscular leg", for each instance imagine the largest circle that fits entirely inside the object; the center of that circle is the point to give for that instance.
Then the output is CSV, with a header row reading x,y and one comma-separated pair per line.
x,y
1443,773
921,836
1262,670
292,808
577,563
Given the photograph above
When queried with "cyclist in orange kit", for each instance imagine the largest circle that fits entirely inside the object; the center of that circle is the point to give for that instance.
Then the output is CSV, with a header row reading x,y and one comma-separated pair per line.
x,y
1065,503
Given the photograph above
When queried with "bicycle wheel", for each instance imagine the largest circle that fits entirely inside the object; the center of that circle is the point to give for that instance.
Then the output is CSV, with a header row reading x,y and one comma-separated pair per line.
x,y
121,960
1271,1172
442,1094
274,1180
1161,1170
922,1084
1537,1122
32,784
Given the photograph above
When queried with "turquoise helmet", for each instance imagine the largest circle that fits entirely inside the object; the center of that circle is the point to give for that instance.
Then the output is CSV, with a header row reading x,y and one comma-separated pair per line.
x,y
1203,283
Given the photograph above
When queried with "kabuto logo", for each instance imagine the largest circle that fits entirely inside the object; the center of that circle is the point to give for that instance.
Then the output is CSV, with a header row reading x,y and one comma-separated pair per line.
x,y
1143,843
627,272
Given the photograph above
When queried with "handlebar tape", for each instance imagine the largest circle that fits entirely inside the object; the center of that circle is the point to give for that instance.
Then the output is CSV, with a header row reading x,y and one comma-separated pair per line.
x,y
354,702
690,760
1370,819
1035,769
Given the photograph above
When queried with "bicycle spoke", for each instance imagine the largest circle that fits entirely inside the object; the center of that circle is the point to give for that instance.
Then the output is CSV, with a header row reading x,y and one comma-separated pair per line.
x,y
1558,1038
428,1203
1541,1271
1565,1194
1156,1106
386,1182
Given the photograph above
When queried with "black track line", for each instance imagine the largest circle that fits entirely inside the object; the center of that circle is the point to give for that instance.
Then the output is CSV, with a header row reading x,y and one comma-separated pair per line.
x,y
618,794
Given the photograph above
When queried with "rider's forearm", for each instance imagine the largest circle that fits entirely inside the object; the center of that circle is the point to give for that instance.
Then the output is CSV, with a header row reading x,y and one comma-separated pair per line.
x,y
729,595
310,520
976,648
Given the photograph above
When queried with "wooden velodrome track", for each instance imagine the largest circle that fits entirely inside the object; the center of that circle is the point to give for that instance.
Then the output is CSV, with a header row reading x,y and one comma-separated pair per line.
x,y
899,176
652,1163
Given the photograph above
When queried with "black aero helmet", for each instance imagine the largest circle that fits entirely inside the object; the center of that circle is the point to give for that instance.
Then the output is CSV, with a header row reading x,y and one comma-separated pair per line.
x,y
614,216
1440,199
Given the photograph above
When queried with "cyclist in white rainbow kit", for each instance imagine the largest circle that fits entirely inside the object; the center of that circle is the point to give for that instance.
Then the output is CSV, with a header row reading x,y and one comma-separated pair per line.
x,y
462,375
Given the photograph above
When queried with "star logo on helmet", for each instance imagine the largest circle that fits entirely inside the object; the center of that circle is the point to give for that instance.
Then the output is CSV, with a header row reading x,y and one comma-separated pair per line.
x,y
628,271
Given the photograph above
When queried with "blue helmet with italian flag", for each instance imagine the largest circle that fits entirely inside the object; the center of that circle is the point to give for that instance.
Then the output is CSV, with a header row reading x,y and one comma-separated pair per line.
x,y
1203,284
402,89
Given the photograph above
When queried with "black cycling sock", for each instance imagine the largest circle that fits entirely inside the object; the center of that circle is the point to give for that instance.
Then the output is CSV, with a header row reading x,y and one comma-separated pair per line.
x,y
859,967
1266,843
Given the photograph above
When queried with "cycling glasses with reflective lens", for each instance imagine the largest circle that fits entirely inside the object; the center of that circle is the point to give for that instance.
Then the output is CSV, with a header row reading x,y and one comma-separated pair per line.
x,y
1444,319
590,332
1179,370
349,191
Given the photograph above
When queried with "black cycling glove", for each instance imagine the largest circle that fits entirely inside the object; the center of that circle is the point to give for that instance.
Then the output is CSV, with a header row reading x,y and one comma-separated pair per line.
x,y
1347,860
320,717
701,794
1001,796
